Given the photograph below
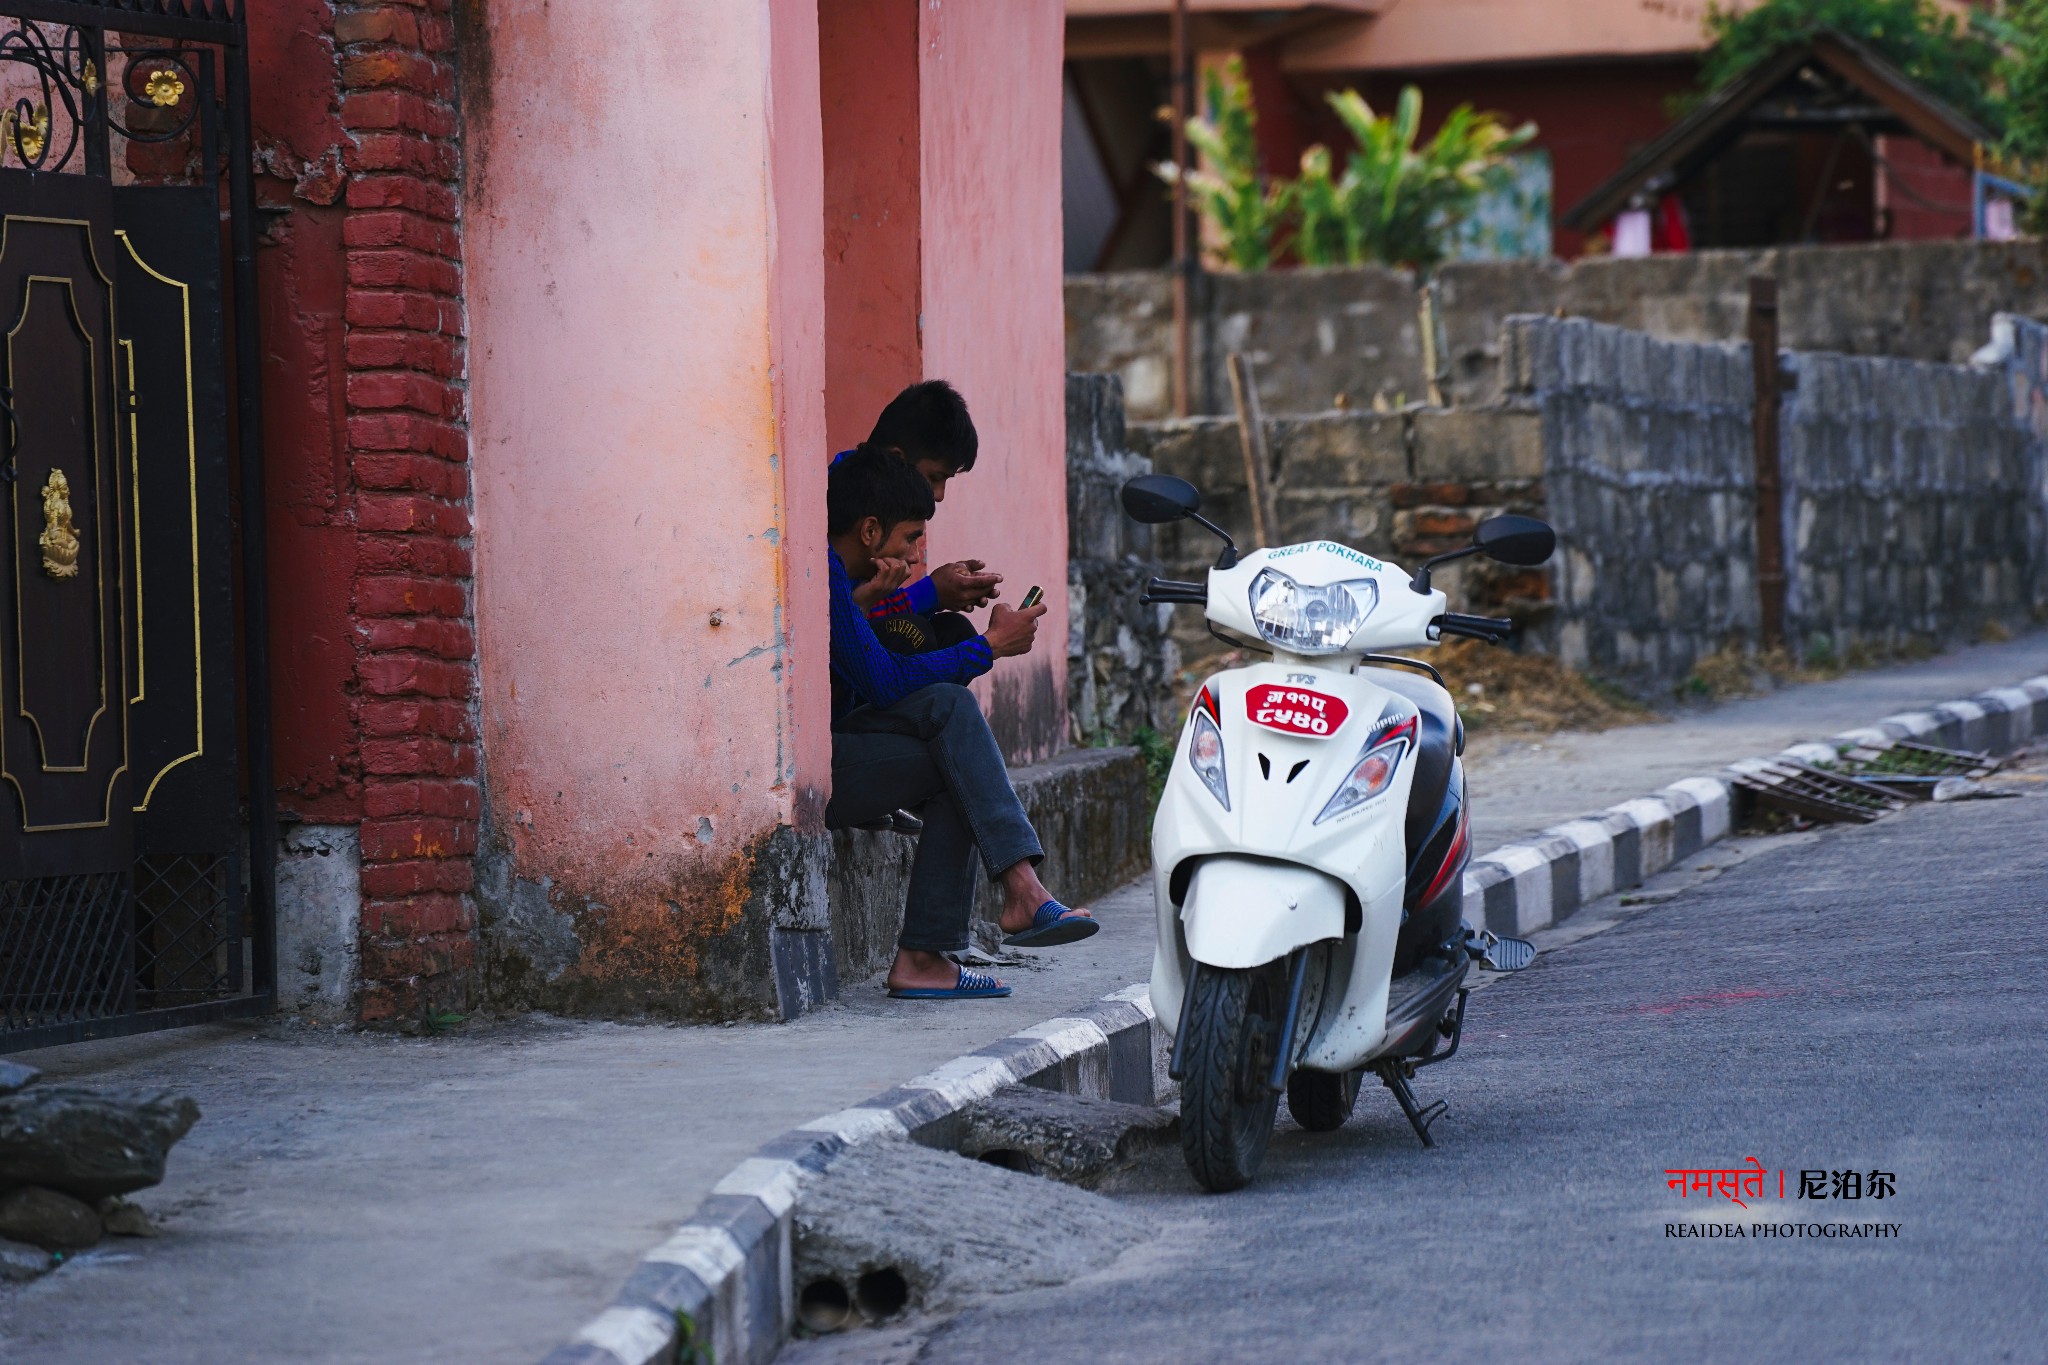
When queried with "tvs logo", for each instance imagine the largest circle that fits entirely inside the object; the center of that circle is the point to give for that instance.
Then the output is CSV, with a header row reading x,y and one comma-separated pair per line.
x,y
1295,710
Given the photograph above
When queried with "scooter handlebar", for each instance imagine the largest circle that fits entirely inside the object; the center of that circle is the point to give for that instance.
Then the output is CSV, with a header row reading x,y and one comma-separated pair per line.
x,y
1172,590
1492,629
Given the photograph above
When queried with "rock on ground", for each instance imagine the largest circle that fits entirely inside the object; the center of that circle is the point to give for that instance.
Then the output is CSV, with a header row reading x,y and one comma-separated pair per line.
x,y
19,1261
1068,1137
90,1143
14,1075
954,1229
123,1219
48,1219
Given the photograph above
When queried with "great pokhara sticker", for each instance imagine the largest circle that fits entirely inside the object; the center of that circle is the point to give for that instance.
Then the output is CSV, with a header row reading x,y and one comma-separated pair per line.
x,y
1295,710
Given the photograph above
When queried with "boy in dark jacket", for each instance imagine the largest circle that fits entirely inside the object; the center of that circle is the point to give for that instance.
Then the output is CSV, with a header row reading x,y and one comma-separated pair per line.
x,y
906,732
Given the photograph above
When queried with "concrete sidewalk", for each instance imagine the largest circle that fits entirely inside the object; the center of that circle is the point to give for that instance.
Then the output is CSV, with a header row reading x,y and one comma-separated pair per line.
x,y
478,1196
473,1197
1522,785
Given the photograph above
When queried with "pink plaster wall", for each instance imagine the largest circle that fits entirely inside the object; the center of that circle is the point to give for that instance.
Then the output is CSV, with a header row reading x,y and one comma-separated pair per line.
x,y
644,239
868,52
989,113
797,348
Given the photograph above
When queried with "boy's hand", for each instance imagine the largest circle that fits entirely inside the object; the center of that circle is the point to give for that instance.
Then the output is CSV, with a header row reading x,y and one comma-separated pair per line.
x,y
964,585
890,574
1011,631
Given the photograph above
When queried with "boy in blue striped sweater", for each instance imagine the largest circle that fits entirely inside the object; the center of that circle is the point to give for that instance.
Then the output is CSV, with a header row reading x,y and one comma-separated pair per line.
x,y
907,733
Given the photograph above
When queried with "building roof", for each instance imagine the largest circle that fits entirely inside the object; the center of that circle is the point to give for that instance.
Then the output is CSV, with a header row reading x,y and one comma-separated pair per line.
x,y
1140,28
1826,81
1417,35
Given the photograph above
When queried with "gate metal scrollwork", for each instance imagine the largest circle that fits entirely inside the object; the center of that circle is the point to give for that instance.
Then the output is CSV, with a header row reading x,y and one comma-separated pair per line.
x,y
137,833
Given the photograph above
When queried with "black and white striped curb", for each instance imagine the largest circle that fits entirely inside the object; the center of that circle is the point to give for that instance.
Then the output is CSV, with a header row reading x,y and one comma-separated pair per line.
x,y
720,1288
1521,888
722,1282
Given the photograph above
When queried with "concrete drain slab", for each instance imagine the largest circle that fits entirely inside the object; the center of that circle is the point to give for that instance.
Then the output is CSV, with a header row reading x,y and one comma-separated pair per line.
x,y
893,1227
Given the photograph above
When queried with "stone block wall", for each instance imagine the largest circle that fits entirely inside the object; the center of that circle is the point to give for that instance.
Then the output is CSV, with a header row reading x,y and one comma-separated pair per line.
x,y
1324,339
1120,663
1402,485
1913,497
1093,813
1651,473
1908,502
1915,503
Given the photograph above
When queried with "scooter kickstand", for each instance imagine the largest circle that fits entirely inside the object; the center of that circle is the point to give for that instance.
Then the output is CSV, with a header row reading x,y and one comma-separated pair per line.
x,y
1418,1119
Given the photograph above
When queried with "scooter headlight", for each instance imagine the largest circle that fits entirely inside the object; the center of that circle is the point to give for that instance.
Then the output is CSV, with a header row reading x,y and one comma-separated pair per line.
x,y
1205,753
1306,620
1373,773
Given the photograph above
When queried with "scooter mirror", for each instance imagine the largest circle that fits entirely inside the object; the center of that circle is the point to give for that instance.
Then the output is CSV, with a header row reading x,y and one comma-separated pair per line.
x,y
1522,541
1156,498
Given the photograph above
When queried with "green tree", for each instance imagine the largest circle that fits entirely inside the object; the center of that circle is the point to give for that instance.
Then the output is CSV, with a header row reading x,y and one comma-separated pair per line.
x,y
1395,202
1953,60
2021,30
1247,209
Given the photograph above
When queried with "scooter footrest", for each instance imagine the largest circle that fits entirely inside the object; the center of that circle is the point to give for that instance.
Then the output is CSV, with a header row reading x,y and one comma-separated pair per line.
x,y
1508,955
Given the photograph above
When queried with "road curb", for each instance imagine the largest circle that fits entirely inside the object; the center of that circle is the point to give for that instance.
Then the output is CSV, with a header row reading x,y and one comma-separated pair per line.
x,y
1520,888
722,1283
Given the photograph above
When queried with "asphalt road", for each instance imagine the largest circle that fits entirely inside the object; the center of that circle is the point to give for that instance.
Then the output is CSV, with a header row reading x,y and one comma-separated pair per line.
x,y
1873,1000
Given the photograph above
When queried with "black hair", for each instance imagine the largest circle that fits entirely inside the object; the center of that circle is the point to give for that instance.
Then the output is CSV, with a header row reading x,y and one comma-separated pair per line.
x,y
929,421
874,482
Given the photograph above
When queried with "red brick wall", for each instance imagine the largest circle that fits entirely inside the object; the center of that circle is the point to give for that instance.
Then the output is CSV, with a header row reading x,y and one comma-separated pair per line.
x,y
368,445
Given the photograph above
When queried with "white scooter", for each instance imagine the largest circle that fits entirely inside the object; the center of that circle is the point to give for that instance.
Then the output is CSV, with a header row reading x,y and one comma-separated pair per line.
x,y
1309,851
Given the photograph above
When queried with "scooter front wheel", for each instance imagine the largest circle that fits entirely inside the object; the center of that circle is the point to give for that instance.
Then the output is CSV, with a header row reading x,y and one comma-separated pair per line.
x,y
1226,1106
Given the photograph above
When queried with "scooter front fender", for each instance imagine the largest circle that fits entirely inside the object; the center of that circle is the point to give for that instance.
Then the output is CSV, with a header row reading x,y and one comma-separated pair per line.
x,y
1246,912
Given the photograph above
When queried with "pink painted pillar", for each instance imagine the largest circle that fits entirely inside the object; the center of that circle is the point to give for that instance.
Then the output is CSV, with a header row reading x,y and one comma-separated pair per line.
x,y
989,111
873,228
645,247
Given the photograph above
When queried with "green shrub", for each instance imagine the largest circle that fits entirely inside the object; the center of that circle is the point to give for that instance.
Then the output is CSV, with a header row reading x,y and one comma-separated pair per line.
x,y
1245,207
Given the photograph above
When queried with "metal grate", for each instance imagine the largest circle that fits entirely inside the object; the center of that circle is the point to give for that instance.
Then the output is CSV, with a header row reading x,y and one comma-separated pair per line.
x,y
188,946
1816,793
81,950
64,950
1912,769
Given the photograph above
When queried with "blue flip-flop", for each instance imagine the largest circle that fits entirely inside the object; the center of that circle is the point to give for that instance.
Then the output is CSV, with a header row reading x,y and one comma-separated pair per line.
x,y
1053,925
970,986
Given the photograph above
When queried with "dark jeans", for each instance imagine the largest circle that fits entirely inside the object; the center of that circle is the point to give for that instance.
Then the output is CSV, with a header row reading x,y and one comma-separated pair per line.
x,y
932,752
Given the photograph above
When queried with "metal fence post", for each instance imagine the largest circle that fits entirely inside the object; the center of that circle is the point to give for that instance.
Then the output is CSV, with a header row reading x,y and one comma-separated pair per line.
x,y
1770,533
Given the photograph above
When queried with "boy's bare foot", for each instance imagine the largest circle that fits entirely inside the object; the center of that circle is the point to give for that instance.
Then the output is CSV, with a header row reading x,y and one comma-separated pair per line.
x,y
914,970
1023,893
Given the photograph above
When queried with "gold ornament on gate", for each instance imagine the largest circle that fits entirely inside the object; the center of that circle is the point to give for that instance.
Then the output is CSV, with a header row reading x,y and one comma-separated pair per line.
x,y
59,541
29,133
164,87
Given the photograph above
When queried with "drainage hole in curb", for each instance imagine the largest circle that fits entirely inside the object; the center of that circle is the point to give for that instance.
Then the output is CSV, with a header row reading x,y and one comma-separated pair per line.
x,y
881,1294
1010,1159
825,1306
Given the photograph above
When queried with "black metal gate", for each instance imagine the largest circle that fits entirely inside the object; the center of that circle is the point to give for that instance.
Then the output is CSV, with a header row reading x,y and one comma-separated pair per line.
x,y
135,878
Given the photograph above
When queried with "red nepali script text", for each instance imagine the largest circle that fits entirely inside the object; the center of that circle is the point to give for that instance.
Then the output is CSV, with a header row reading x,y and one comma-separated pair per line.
x,y
1295,710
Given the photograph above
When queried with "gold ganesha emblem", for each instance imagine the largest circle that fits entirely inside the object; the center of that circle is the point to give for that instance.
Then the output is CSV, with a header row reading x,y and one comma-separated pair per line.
x,y
59,541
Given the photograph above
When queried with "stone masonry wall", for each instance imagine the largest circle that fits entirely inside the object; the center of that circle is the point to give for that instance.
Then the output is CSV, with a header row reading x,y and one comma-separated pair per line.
x,y
1651,473
1915,505
1913,498
1120,663
1325,339
1910,503
1402,485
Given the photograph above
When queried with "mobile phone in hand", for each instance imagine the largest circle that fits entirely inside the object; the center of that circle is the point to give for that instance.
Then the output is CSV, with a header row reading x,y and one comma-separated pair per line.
x,y
1031,598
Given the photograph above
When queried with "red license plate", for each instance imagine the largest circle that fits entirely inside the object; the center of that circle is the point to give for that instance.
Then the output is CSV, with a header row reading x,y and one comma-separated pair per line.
x,y
1295,710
